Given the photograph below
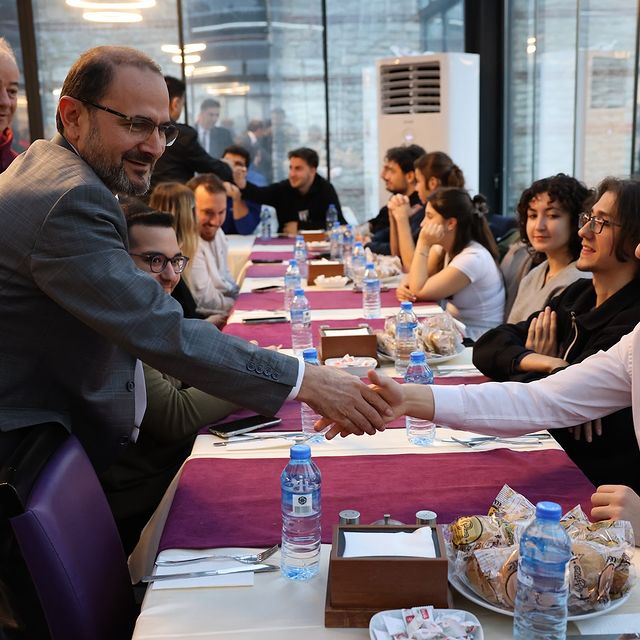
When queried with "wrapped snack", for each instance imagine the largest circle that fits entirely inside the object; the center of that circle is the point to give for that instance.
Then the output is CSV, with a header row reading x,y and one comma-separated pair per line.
x,y
490,571
439,334
478,532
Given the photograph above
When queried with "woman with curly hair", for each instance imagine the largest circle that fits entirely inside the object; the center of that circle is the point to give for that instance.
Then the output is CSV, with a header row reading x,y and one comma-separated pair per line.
x,y
456,260
548,214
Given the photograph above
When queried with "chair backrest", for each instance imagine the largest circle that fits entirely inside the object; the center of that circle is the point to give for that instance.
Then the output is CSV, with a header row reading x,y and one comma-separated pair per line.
x,y
68,538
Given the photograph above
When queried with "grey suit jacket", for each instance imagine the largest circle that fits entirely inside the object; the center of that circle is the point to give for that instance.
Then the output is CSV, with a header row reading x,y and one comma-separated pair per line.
x,y
75,312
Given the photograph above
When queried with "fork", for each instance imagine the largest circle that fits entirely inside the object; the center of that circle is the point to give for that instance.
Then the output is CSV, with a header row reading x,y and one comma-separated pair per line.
x,y
478,443
298,436
249,558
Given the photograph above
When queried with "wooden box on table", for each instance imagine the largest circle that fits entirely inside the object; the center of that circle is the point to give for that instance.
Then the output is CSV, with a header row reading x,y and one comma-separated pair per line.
x,y
313,235
337,342
326,268
357,588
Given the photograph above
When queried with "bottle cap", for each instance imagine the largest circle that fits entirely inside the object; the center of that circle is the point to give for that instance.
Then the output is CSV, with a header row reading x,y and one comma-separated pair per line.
x,y
310,353
548,511
293,262
417,357
300,452
358,244
336,225
406,305
298,292
299,239
349,516
370,265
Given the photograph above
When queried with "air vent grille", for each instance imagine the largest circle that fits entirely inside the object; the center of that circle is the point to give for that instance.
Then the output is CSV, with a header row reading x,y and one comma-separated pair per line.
x,y
410,88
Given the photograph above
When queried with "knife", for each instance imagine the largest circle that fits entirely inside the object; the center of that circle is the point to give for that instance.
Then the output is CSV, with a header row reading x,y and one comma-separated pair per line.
x,y
255,568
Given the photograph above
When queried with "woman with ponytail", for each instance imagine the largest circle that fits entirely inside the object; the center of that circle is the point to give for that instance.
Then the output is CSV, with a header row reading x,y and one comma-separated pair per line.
x,y
433,170
456,259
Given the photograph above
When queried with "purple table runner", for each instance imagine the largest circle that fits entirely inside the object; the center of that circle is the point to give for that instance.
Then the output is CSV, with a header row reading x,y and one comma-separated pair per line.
x,y
266,271
222,502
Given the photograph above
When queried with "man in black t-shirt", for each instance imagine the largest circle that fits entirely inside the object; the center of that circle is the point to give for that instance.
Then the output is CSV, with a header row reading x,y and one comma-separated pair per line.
x,y
302,200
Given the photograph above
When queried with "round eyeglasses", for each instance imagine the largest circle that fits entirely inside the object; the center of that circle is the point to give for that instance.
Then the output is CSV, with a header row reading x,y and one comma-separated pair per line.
x,y
158,262
141,127
596,225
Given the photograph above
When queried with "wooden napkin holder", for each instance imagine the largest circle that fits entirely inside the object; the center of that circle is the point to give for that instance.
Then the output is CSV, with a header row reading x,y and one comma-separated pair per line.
x,y
336,346
324,268
313,235
357,588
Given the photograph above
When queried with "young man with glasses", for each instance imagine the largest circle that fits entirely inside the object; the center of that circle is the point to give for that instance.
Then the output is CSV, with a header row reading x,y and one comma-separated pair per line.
x,y
135,484
589,316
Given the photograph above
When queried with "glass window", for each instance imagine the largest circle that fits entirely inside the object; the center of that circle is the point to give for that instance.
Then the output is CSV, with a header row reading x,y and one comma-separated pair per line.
x,y
263,64
64,32
11,32
568,91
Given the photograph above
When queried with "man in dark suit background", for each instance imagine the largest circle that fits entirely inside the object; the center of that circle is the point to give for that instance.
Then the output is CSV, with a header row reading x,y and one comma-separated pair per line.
x,y
186,156
214,139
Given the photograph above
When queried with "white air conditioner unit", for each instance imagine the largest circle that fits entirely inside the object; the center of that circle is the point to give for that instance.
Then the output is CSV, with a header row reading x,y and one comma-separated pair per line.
x,y
431,100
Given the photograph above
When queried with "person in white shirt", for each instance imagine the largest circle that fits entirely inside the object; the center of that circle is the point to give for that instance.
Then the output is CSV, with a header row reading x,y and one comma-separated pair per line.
x,y
212,284
456,259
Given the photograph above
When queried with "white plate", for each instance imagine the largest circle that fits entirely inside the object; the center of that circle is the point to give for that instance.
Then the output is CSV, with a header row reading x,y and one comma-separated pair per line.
x,y
376,623
468,593
431,359
359,368
333,282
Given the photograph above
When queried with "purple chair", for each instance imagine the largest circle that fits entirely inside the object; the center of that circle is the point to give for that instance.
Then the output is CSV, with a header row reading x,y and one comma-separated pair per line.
x,y
68,538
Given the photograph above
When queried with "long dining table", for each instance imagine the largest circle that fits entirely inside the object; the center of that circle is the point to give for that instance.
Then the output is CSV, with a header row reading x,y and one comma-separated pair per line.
x,y
226,499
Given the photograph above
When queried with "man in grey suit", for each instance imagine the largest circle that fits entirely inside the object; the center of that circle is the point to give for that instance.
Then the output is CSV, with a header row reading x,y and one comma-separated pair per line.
x,y
214,139
77,313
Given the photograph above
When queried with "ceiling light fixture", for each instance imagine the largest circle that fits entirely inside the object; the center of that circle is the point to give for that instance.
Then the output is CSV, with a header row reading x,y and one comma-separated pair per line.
x,y
190,59
118,6
111,16
188,48
208,70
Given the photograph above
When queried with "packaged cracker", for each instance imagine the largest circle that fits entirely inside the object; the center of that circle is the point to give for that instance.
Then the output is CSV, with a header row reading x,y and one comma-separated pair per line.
x,y
479,532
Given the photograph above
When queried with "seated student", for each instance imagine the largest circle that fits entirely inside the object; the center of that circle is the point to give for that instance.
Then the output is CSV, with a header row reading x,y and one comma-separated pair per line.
x,y
178,200
433,170
399,176
302,200
135,484
589,316
242,215
455,259
548,213
604,383
212,284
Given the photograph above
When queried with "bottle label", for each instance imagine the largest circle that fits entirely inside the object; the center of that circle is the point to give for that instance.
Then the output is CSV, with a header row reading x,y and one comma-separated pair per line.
x,y
300,316
302,504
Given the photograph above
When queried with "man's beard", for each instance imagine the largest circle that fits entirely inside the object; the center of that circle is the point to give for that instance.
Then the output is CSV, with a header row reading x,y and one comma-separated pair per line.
x,y
115,177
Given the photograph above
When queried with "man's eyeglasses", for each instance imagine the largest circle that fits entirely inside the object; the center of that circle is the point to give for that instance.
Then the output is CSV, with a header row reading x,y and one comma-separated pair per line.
x,y
596,225
140,127
158,262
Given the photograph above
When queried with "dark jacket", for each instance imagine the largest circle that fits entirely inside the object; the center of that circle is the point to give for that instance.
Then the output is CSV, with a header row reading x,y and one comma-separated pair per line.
x,y
185,157
614,457
381,239
309,209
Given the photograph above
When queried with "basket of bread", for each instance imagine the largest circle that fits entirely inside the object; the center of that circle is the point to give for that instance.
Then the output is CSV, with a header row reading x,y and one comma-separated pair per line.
x,y
483,555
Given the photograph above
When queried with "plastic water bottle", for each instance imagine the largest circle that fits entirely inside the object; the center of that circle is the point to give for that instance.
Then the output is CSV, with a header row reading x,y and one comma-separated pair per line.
x,y
308,417
291,282
335,242
301,337
300,254
332,216
358,265
347,249
541,596
371,292
265,223
420,432
301,511
406,323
